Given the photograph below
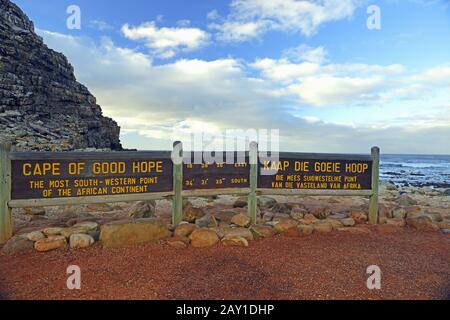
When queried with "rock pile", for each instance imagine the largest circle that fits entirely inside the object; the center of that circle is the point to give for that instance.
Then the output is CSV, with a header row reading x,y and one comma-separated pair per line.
x,y
42,106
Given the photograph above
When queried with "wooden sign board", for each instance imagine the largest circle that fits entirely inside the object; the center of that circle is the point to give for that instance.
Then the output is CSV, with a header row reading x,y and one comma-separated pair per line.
x,y
313,172
216,175
65,178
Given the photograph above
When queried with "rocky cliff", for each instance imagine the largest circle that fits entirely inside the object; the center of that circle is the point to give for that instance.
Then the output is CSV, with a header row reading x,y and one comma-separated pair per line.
x,y
42,106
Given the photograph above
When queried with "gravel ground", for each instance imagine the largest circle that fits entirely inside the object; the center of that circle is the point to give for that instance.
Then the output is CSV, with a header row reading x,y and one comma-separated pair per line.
x,y
415,265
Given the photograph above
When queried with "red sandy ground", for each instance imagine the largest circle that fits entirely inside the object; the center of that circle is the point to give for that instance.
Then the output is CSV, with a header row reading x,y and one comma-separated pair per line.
x,y
415,265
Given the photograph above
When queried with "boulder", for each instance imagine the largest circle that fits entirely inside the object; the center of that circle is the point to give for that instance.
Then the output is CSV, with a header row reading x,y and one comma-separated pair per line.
x,y
422,223
319,212
87,226
191,213
282,208
266,202
263,231
234,241
178,242
241,220
285,224
338,216
359,217
201,238
116,234
236,232
399,213
99,207
50,243
241,202
298,213
398,222
52,231
268,216
79,241
305,229
324,227
227,214
434,216
309,219
390,187
335,223
142,209
35,211
35,236
17,244
206,221
405,200
185,230
348,222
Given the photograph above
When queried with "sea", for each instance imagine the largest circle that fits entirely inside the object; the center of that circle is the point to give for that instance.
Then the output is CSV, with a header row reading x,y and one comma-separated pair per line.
x,y
416,170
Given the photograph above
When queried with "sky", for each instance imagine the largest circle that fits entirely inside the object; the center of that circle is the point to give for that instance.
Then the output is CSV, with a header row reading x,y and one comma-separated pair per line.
x,y
330,75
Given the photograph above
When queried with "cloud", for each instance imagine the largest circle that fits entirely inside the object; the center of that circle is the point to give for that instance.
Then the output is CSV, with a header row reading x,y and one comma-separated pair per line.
x,y
167,42
149,101
260,16
305,53
100,25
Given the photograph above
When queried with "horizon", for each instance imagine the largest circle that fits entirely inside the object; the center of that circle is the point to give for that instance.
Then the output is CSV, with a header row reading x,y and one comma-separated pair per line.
x,y
317,72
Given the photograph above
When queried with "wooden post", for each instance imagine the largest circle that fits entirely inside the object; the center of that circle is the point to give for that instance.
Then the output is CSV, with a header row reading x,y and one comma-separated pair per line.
x,y
373,205
177,200
252,204
5,193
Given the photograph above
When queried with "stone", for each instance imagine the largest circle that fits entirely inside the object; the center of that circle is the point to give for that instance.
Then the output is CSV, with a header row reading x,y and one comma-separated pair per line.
x,y
95,235
446,192
17,244
324,227
87,226
50,243
178,242
142,209
268,216
117,234
52,231
236,232
99,207
359,217
240,202
384,211
338,216
405,200
233,241
79,241
191,213
285,224
241,220
423,223
263,231
305,229
335,223
434,216
348,222
391,187
445,231
35,211
398,222
309,219
226,215
206,221
298,213
35,236
202,238
43,107
282,208
185,230
266,202
319,212
399,213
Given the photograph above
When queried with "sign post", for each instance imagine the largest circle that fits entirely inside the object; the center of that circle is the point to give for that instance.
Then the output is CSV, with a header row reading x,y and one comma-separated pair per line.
x,y
373,204
252,204
5,193
177,200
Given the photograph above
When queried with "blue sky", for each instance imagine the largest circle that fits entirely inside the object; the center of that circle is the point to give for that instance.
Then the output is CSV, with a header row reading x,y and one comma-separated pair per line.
x,y
309,68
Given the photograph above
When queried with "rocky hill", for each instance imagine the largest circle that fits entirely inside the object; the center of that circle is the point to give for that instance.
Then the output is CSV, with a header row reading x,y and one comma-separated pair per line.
x,y
42,106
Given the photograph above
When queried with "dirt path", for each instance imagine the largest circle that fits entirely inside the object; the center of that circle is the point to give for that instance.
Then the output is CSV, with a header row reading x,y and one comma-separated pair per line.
x,y
415,265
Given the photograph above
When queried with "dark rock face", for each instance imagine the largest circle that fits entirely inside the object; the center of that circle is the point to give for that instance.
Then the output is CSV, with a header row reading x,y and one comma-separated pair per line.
x,y
42,106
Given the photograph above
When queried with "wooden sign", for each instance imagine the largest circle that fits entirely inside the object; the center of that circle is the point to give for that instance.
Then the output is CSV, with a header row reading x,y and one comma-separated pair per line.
x,y
65,178
216,175
299,172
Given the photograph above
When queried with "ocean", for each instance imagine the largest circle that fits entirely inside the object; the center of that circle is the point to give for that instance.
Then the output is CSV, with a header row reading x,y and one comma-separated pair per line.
x,y
416,170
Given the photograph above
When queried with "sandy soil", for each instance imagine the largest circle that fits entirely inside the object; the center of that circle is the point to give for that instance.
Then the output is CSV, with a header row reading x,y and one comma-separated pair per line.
x,y
415,265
